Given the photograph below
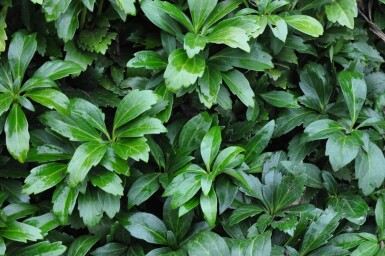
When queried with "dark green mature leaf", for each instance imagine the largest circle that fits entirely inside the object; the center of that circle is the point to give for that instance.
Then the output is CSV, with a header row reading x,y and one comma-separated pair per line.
x,y
193,44
291,118
369,248
225,157
17,135
200,11
243,212
90,209
81,245
43,248
50,98
322,129
319,231
259,141
305,24
20,232
341,149
210,145
132,105
353,208
85,157
135,148
111,161
57,69
183,71
140,127
380,216
260,245
221,10
240,86
107,181
354,90
75,130
177,14
147,227
20,53
44,177
207,243
112,249
179,225
154,11
257,59
68,22
210,85
45,222
280,99
233,37
53,8
142,189
193,132
148,60
6,100
19,210
209,206
368,168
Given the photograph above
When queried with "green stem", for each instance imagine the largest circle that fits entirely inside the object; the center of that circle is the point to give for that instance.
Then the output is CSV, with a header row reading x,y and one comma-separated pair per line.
x,y
83,17
100,7
294,4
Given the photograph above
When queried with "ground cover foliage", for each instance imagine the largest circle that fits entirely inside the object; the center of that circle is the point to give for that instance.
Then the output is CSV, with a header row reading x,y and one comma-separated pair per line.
x,y
198,127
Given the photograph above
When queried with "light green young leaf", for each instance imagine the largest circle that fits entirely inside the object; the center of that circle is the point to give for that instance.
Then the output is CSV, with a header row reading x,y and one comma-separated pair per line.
x,y
305,24
17,135
177,14
221,10
85,157
132,105
233,37
90,209
128,6
68,22
278,26
44,177
148,60
50,98
368,168
57,69
369,248
135,148
45,222
54,8
42,248
225,157
6,100
140,127
20,232
111,161
193,44
280,99
209,85
183,71
210,145
343,12
20,53
64,200
354,90
240,86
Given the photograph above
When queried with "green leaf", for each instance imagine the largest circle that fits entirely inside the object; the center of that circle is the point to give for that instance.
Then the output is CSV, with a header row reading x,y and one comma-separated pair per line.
x,y
322,129
368,248
221,10
148,60
112,249
233,37
135,148
193,44
132,105
68,22
140,127
342,11
260,245
305,24
57,69
44,177
142,189
226,192
200,11
90,114
278,26
177,14
45,222
259,141
207,243
319,231
6,100
81,245
75,130
368,168
280,99
354,90
147,227
107,181
51,98
64,200
316,85
114,163
183,71
3,39
85,157
288,119
210,145
179,225
42,248
90,209
2,246
225,157
54,8
155,13
257,59
38,83
351,207
20,53
209,85
20,232
341,149
110,204
19,210
128,6
193,132
17,135
209,206
380,216
240,86
243,212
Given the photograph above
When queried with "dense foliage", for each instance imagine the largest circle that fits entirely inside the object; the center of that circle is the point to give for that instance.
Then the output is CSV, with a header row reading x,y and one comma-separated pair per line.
x,y
192,127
